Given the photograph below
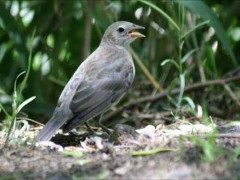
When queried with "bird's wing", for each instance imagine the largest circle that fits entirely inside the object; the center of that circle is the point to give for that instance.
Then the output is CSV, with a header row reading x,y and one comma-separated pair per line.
x,y
93,97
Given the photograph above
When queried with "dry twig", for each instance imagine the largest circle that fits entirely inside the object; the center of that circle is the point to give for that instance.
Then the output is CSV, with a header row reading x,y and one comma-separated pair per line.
x,y
193,87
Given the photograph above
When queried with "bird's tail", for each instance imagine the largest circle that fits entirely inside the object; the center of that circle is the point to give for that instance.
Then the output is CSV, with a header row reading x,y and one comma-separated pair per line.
x,y
50,128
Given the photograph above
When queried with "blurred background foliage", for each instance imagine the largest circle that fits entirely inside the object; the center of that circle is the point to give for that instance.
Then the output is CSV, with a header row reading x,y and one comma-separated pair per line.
x,y
67,31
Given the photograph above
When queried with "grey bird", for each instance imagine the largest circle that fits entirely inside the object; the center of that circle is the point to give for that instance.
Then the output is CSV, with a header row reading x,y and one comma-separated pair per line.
x,y
98,82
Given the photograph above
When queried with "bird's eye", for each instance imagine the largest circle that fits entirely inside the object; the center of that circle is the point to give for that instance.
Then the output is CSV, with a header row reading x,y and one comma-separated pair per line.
x,y
121,29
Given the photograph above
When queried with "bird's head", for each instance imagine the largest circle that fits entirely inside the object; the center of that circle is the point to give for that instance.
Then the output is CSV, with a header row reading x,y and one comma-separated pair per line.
x,y
122,33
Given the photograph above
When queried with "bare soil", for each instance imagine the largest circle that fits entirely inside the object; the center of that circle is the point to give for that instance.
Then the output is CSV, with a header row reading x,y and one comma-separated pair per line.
x,y
115,159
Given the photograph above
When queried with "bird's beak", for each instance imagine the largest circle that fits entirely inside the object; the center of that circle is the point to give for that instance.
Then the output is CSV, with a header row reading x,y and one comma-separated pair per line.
x,y
133,33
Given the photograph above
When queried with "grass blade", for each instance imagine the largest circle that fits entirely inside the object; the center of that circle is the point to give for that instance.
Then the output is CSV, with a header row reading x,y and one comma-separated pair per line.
x,y
206,13
194,28
182,86
170,20
170,61
188,55
4,111
24,103
23,84
151,151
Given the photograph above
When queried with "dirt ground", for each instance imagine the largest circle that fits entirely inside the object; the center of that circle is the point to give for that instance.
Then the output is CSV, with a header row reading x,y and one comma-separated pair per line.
x,y
148,153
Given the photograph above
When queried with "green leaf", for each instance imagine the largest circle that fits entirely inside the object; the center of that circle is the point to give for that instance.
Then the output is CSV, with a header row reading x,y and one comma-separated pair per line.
x,y
210,152
151,151
206,13
190,102
24,103
73,153
236,153
15,83
212,60
170,61
2,91
4,110
186,56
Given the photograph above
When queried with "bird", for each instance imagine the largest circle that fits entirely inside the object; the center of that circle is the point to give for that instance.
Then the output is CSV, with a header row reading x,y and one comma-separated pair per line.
x,y
99,82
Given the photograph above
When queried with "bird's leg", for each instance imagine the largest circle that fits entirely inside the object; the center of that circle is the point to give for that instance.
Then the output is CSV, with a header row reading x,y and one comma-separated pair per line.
x,y
98,121
90,130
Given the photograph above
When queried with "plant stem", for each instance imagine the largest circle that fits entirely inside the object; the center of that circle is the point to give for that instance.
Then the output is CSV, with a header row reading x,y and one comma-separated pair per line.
x,y
181,16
